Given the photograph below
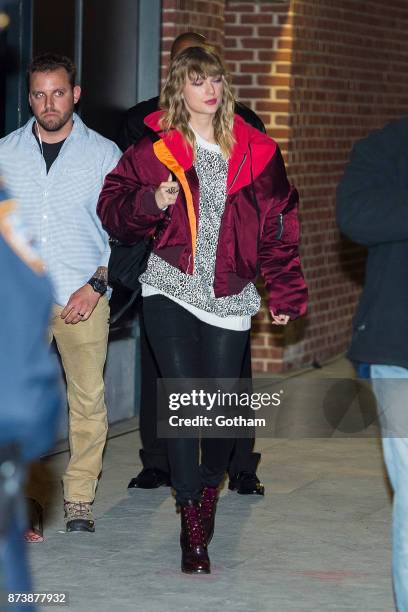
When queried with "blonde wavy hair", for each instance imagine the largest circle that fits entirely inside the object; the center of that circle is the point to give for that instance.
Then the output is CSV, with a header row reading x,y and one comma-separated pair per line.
x,y
197,63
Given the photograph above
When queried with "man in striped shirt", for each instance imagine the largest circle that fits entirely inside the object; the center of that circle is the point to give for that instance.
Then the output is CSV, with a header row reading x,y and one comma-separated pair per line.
x,y
55,167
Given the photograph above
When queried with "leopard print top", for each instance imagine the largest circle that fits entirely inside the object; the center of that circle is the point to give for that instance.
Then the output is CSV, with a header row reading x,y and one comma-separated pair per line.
x,y
197,289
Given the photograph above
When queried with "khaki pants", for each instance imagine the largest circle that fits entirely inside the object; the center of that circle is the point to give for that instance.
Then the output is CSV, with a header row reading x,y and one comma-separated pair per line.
x,y
82,348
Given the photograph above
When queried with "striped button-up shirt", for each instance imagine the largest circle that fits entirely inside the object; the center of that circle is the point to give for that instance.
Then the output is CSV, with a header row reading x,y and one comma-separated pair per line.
x,y
59,208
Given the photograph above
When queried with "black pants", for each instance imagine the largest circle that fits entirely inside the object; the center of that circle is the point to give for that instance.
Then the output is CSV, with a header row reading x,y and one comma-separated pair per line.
x,y
184,347
154,451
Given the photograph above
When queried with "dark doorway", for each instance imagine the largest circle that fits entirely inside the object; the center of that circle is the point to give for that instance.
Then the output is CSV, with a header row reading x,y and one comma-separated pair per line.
x,y
109,63
54,27
101,37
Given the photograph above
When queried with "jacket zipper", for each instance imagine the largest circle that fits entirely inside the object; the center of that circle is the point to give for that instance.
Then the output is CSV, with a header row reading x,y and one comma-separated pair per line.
x,y
280,227
189,262
237,172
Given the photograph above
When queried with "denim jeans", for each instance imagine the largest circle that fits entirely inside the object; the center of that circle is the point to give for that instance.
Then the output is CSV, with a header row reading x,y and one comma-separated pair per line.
x,y
392,399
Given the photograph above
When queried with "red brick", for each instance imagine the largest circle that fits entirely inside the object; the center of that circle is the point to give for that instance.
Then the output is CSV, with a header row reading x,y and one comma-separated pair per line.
x,y
274,80
285,43
242,79
246,7
235,31
240,54
279,7
254,92
283,94
256,67
283,69
272,107
255,18
282,120
269,31
257,43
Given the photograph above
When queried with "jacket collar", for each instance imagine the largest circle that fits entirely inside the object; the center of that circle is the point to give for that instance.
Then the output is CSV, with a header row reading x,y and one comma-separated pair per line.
x,y
246,137
173,140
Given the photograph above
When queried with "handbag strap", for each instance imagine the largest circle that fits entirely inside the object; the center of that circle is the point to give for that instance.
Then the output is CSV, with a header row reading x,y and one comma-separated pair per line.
x,y
154,137
125,307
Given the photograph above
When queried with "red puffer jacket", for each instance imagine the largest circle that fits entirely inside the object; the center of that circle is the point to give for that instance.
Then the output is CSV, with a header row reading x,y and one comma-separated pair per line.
x,y
259,229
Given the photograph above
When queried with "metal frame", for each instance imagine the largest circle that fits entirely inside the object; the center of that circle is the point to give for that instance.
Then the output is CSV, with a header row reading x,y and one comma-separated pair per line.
x,y
19,41
148,62
79,20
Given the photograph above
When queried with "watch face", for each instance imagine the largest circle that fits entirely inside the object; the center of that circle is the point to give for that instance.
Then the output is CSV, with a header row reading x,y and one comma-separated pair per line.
x,y
98,285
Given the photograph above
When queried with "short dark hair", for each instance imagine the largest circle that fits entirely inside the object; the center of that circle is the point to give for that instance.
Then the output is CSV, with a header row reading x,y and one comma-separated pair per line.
x,y
194,38
47,62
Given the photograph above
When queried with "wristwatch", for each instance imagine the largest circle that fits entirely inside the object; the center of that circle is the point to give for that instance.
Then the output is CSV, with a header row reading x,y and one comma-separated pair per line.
x,y
98,285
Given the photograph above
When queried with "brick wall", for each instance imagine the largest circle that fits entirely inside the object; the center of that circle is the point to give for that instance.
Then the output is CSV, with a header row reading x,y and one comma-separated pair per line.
x,y
349,67
260,68
321,74
203,16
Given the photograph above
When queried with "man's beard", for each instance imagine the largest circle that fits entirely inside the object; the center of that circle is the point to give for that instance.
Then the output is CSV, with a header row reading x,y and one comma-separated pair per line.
x,y
56,123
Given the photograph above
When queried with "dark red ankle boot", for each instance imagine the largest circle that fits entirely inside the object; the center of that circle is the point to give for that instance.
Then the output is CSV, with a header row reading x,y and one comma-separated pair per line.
x,y
209,498
194,558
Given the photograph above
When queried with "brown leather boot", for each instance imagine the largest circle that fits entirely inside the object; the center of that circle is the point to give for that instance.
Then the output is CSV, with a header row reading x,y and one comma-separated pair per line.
x,y
209,498
194,557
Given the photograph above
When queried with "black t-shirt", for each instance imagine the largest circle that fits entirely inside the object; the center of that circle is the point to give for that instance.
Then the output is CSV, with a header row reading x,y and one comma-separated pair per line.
x,y
49,150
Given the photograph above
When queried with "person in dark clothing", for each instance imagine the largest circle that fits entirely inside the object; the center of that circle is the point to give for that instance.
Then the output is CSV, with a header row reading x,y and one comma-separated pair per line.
x,y
155,472
372,210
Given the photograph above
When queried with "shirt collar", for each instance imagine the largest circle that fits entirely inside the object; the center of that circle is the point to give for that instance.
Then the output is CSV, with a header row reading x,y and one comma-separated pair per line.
x,y
78,130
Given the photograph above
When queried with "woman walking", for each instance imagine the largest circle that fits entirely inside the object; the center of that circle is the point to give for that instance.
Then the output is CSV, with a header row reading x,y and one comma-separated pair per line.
x,y
229,215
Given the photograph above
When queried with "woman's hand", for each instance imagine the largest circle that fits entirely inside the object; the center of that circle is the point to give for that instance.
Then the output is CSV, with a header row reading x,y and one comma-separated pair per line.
x,y
281,319
166,193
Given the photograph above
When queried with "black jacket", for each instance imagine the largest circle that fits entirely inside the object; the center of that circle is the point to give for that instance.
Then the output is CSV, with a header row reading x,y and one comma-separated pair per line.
x,y
133,128
372,209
